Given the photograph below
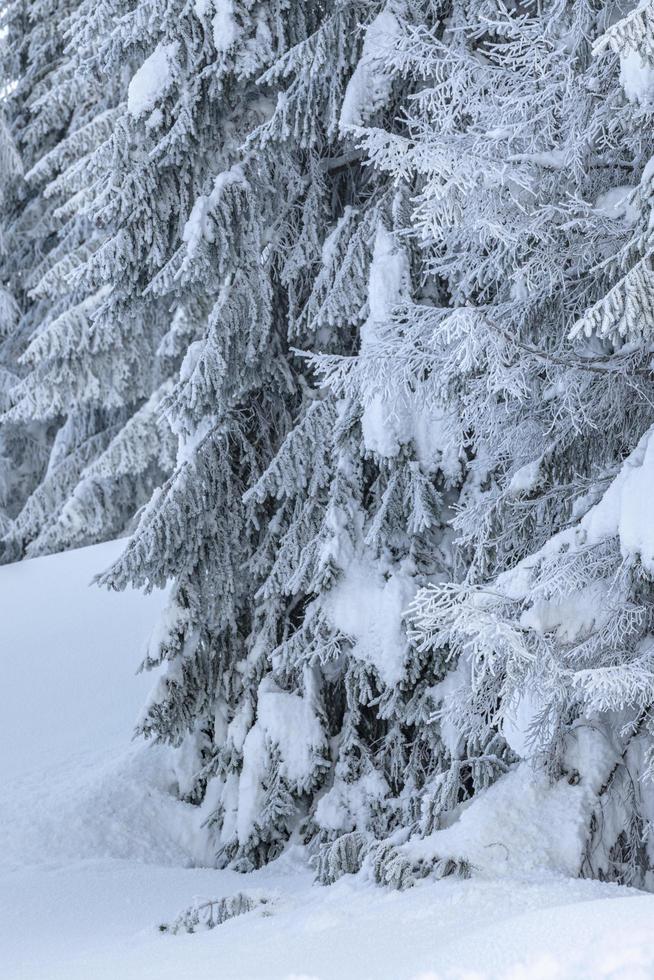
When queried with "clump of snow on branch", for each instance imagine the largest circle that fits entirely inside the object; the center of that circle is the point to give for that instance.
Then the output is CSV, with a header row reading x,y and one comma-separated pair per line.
x,y
393,418
199,227
225,28
346,804
367,606
631,39
285,724
153,79
370,85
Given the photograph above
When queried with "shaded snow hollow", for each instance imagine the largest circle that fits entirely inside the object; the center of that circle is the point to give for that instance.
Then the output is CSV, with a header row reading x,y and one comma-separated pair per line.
x,y
95,851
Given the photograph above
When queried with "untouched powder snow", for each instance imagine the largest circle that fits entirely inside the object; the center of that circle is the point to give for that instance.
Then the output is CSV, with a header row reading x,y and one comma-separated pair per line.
x,y
96,852
69,653
72,785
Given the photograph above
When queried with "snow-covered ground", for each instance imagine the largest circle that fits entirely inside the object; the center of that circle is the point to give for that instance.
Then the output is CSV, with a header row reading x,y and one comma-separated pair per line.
x,y
95,852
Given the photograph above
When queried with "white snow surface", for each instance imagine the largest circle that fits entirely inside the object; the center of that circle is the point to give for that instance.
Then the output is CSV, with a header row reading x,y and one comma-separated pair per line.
x,y
69,653
291,724
95,850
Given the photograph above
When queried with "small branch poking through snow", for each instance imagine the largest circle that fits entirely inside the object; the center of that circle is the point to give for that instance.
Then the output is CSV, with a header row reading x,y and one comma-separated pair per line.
x,y
202,915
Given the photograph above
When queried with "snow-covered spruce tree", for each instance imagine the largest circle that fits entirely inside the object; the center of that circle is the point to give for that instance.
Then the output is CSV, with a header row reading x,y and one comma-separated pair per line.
x,y
25,51
297,526
533,204
110,448
11,449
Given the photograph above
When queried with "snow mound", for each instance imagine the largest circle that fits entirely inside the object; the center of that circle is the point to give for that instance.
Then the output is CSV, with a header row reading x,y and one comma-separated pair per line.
x,y
96,808
522,825
71,787
69,652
